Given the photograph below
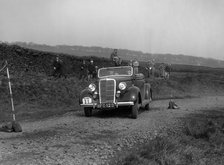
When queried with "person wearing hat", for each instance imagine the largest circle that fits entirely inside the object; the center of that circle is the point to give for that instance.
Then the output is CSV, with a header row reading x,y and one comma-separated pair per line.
x,y
114,57
95,72
91,70
135,66
83,71
57,66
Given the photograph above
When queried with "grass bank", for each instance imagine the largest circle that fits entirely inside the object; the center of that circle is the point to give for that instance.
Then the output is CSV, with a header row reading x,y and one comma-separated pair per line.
x,y
37,95
200,141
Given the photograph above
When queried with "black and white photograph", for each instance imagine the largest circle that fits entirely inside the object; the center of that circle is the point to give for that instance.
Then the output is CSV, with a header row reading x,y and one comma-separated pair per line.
x,y
111,82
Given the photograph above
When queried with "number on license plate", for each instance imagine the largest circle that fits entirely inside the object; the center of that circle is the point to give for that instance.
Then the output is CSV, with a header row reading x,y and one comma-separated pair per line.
x,y
108,105
86,100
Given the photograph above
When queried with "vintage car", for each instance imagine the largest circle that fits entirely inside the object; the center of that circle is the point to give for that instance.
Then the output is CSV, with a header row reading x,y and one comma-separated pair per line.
x,y
117,87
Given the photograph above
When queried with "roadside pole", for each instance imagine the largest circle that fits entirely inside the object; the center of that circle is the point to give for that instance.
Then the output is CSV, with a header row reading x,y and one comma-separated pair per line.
x,y
15,125
10,92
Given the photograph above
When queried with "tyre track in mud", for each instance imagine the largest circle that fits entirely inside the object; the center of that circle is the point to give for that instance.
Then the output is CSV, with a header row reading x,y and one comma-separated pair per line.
x,y
75,139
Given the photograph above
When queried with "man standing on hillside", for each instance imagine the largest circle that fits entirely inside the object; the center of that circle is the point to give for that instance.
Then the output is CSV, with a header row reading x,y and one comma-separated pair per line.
x,y
84,70
114,57
167,70
113,54
57,66
150,68
91,70
95,72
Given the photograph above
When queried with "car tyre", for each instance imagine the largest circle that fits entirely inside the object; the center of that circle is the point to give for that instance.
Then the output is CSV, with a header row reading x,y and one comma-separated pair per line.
x,y
134,110
88,111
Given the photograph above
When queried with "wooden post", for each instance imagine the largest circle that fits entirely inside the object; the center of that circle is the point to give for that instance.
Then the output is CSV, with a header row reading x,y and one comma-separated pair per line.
x,y
10,92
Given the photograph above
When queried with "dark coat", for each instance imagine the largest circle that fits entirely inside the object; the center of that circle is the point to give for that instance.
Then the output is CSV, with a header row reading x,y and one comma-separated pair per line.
x,y
91,68
57,64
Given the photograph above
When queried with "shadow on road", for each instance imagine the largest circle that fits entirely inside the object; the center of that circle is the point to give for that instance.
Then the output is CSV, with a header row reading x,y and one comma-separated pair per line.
x,y
111,113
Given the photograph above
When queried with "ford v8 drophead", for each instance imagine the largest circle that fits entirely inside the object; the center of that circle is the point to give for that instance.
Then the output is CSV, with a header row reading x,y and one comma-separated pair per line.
x,y
117,87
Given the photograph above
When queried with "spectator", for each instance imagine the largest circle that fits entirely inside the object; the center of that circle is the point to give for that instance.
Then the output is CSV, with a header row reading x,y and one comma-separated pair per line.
x,y
57,66
151,69
95,72
84,70
114,57
135,66
113,54
91,70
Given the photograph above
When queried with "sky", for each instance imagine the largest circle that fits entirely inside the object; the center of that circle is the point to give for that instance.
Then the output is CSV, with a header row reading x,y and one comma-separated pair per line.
x,y
189,27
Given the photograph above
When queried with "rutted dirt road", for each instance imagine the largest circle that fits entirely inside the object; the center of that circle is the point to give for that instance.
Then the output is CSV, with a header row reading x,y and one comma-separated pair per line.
x,y
75,139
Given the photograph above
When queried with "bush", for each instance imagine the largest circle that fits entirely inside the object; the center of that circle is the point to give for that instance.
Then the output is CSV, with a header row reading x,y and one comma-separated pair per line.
x,y
205,129
200,142
198,129
156,152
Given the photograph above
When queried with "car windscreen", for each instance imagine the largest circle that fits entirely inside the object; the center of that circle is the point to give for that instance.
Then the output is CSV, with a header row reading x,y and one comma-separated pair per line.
x,y
115,71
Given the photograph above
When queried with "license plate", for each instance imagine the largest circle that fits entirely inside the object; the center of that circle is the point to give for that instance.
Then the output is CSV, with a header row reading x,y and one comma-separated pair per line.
x,y
86,100
107,105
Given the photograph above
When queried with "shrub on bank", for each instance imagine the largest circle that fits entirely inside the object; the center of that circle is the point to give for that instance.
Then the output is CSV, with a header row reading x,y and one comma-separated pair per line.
x,y
200,142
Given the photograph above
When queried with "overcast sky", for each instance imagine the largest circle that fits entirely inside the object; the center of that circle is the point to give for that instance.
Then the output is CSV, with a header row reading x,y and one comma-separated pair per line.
x,y
191,27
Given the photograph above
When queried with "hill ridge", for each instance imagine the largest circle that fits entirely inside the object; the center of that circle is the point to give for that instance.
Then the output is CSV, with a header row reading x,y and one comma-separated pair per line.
x,y
125,54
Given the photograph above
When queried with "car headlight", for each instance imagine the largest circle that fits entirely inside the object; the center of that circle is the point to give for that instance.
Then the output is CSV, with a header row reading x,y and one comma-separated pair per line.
x,y
122,85
92,87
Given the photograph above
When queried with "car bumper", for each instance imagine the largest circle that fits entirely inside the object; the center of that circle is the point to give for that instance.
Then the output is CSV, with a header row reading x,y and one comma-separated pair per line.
x,y
116,105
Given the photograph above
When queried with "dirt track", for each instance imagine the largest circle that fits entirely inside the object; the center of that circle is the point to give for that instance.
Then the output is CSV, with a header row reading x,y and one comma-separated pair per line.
x,y
75,139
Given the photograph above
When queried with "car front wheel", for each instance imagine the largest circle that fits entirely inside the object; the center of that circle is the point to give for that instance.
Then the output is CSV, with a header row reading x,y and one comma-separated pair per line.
x,y
134,109
88,111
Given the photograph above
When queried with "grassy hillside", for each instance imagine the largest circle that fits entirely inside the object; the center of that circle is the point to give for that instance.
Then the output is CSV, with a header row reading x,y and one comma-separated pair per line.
x,y
38,95
22,59
126,54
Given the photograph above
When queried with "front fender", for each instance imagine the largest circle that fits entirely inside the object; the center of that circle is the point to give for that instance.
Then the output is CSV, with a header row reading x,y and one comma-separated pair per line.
x,y
84,93
131,94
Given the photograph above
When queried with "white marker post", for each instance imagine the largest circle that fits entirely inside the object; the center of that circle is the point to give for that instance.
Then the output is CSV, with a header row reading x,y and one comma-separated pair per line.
x,y
10,92
15,125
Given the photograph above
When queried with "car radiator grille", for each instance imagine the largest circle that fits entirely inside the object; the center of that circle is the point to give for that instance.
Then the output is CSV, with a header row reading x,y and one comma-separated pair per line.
x,y
107,90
